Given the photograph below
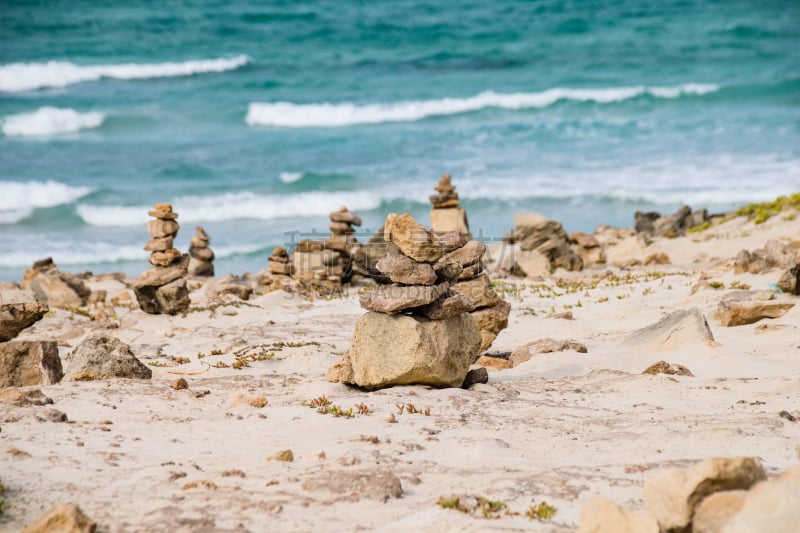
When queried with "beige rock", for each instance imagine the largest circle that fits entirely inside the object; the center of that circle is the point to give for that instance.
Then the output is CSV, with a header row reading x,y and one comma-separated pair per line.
x,y
529,220
394,298
165,258
63,518
402,269
402,350
101,356
716,510
491,321
747,307
520,354
203,254
628,248
662,367
448,219
770,506
470,271
280,251
59,289
478,291
200,268
532,263
789,281
472,252
341,228
282,455
14,317
158,276
159,245
681,328
413,239
23,396
26,363
584,239
601,515
444,307
493,362
340,372
163,215
171,298
345,216
673,495
179,384
158,229
277,267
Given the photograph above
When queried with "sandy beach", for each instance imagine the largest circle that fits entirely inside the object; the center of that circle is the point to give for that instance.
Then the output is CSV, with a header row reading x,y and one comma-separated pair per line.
x,y
139,455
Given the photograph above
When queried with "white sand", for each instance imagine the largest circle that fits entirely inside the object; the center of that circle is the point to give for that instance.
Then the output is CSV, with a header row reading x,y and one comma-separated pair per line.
x,y
557,428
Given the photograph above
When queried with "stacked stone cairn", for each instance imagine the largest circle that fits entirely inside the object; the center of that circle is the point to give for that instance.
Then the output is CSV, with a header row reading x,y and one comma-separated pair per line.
x,y
318,269
279,262
446,215
201,257
162,288
431,322
342,240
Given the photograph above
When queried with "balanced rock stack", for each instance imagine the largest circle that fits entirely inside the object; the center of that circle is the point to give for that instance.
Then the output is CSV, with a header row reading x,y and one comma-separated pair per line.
x,y
446,214
162,289
543,245
341,239
313,263
201,257
418,329
279,262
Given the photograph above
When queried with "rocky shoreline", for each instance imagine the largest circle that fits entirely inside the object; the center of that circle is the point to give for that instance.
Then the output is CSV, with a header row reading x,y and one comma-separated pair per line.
x,y
583,365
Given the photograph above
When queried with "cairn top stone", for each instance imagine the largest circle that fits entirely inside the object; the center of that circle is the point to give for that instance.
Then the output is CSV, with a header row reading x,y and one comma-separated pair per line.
x,y
414,240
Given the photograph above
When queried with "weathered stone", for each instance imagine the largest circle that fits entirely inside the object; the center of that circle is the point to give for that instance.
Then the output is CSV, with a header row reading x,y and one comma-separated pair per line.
x,y
354,486
789,281
450,241
747,307
677,329
158,276
26,363
403,350
447,216
283,455
203,254
470,272
498,363
163,215
200,268
308,245
63,518
673,495
716,510
770,506
478,291
101,356
395,298
179,384
520,354
173,298
165,258
446,272
280,251
491,321
476,375
531,263
60,289
158,229
601,515
469,254
159,245
444,307
662,367
402,269
341,228
413,239
340,372
584,239
22,397
277,267
14,317
345,216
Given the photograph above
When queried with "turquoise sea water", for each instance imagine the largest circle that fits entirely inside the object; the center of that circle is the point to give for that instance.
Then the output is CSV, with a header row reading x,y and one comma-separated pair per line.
x,y
257,119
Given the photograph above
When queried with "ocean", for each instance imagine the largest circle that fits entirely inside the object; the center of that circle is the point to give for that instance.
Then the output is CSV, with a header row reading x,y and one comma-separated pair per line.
x,y
256,119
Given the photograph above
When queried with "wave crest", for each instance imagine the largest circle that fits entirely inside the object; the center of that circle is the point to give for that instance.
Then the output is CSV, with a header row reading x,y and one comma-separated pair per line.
x,y
15,77
287,114
18,199
234,206
47,121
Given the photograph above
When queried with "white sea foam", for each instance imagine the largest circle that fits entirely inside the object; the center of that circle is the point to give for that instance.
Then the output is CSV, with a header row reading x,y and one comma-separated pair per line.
x,y
16,77
291,177
234,206
18,199
328,115
47,121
